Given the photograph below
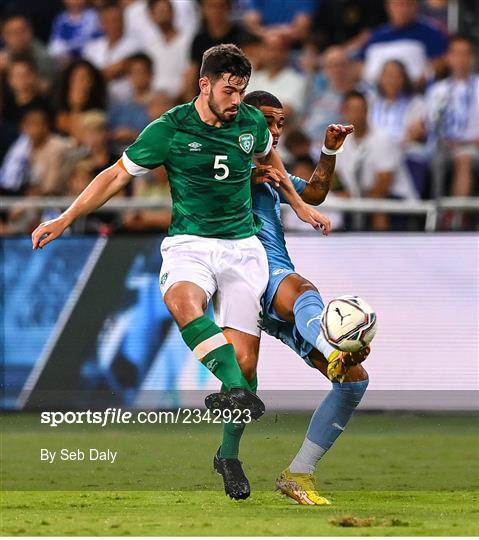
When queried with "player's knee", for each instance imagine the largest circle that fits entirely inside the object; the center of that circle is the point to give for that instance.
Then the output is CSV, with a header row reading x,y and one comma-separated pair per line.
x,y
247,360
183,307
249,372
305,286
356,374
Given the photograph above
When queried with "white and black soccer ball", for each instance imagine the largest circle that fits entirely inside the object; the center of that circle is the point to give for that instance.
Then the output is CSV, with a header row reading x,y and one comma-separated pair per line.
x,y
348,323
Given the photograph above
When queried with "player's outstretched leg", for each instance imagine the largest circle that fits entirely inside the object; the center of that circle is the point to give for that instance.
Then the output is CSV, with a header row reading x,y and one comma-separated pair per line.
x,y
226,460
307,310
327,423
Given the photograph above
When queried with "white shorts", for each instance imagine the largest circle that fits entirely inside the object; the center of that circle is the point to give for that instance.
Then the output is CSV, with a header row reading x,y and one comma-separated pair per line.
x,y
232,272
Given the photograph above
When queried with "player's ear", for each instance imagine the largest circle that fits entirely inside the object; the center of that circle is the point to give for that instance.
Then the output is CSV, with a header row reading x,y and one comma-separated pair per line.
x,y
205,85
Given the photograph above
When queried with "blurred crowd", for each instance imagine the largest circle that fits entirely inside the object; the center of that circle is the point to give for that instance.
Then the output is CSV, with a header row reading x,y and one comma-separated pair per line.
x,y
79,81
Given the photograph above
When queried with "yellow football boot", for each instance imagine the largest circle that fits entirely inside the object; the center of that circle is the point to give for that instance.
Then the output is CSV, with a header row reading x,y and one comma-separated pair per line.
x,y
301,488
339,363
337,369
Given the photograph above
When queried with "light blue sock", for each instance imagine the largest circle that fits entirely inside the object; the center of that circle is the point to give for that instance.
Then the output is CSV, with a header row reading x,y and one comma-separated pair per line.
x,y
327,424
307,317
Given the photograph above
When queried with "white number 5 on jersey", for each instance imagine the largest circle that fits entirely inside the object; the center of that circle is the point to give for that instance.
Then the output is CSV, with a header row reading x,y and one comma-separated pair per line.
x,y
221,166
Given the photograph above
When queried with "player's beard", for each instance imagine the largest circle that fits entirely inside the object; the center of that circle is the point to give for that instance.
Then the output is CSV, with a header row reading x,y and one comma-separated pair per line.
x,y
217,112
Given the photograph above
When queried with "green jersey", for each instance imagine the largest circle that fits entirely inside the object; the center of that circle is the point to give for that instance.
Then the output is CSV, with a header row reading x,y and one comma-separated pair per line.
x,y
209,168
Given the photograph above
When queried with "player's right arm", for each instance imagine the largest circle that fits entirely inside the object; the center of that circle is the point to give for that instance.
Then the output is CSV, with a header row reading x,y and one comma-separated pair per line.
x,y
150,150
106,184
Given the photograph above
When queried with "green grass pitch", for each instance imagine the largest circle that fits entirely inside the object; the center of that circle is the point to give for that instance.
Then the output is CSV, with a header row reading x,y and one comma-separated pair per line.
x,y
388,475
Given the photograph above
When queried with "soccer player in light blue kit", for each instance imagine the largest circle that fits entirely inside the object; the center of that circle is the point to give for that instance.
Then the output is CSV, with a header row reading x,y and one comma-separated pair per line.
x,y
292,308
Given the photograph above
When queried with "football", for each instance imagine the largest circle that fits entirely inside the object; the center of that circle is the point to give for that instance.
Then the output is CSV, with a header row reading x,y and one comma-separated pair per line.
x,y
348,323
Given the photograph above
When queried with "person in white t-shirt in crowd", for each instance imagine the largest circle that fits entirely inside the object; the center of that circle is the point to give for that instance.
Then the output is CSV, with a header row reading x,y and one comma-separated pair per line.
x,y
277,77
169,50
109,53
395,107
453,122
371,165
140,26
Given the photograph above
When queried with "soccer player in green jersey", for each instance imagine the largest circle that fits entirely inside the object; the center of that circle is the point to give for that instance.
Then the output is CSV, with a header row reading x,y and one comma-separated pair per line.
x,y
207,147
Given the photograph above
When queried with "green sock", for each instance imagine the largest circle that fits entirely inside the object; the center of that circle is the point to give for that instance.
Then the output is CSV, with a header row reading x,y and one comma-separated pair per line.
x,y
220,357
232,432
253,384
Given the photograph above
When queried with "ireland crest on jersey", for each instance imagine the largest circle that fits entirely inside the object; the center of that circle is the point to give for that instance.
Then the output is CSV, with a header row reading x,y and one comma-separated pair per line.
x,y
246,141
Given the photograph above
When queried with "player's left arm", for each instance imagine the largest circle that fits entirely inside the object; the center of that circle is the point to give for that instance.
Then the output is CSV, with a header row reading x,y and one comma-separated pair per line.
x,y
282,182
320,182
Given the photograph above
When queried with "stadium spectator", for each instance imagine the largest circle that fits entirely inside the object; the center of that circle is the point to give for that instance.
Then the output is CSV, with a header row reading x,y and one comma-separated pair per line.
x,y
48,155
277,77
93,135
325,94
109,53
35,165
72,29
251,46
79,178
14,169
40,14
453,119
418,44
303,167
138,20
348,22
283,18
436,12
159,104
298,146
396,108
18,40
127,118
169,50
371,165
82,88
216,27
91,132
22,92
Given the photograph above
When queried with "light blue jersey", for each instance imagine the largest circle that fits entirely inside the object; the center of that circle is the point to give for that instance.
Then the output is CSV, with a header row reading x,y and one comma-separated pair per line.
x,y
267,206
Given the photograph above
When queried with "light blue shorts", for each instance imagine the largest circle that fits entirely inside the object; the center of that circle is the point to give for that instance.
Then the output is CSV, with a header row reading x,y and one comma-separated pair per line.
x,y
273,325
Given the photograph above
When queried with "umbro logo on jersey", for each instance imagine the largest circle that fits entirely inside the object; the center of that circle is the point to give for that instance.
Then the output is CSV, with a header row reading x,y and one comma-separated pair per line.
x,y
246,141
195,146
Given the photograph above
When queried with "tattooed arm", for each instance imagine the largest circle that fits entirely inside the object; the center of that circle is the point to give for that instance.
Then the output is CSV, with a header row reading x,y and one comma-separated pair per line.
x,y
320,182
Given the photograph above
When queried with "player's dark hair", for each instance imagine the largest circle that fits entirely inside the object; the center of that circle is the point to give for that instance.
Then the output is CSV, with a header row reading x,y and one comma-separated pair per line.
x,y
225,58
354,94
142,57
261,98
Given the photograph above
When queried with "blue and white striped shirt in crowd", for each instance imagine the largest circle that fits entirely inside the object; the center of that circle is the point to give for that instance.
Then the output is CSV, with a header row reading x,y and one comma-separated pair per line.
x,y
70,34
